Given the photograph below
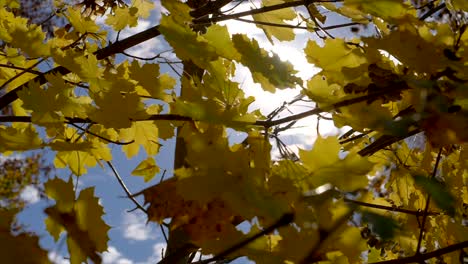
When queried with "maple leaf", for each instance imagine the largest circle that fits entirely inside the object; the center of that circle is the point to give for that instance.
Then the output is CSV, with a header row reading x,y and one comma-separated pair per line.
x,y
143,134
19,137
326,166
80,218
80,23
147,168
29,252
276,17
270,71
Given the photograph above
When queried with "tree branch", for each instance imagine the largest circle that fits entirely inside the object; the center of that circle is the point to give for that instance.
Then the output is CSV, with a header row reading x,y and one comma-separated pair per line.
x,y
112,49
124,187
428,201
422,257
389,208
265,9
286,219
296,27
317,110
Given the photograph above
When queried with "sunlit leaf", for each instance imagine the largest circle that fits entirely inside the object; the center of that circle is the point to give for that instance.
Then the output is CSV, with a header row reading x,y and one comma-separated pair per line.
x,y
276,17
270,71
147,168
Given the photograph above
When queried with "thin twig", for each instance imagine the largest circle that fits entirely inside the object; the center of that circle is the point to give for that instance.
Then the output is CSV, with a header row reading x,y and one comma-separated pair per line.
x,y
129,194
265,9
326,234
110,50
20,68
426,208
432,11
101,137
296,27
19,75
286,219
422,257
389,208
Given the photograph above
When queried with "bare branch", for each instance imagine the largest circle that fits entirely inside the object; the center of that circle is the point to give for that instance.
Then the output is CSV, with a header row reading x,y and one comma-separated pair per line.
x,y
129,194
422,257
265,9
389,208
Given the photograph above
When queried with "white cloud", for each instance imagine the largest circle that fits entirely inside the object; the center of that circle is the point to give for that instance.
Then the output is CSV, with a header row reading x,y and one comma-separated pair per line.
x,y
136,228
56,258
4,158
30,194
158,252
113,256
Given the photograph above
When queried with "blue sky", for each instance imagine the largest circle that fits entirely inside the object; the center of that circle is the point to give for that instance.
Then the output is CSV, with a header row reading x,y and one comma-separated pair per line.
x,y
132,240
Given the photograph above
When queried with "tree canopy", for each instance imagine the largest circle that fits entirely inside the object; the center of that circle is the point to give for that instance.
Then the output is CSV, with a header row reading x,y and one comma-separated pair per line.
x,y
370,194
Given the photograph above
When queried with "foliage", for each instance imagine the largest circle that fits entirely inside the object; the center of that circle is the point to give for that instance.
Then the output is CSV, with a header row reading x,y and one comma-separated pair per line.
x,y
18,173
368,195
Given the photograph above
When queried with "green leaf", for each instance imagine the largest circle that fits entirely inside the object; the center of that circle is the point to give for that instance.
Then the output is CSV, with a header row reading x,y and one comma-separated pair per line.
x,y
439,193
270,71
186,43
147,168
218,37
383,226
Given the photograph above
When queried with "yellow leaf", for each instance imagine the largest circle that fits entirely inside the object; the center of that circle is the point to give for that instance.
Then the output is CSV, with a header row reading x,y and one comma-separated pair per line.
x,y
321,92
153,83
459,4
118,105
19,137
144,133
412,49
86,231
325,166
62,192
122,17
89,218
85,66
18,248
218,37
276,17
382,8
147,168
144,7
82,24
334,55
77,161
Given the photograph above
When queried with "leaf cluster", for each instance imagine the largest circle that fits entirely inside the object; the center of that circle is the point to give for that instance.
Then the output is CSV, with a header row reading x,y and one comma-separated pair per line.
x,y
371,194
